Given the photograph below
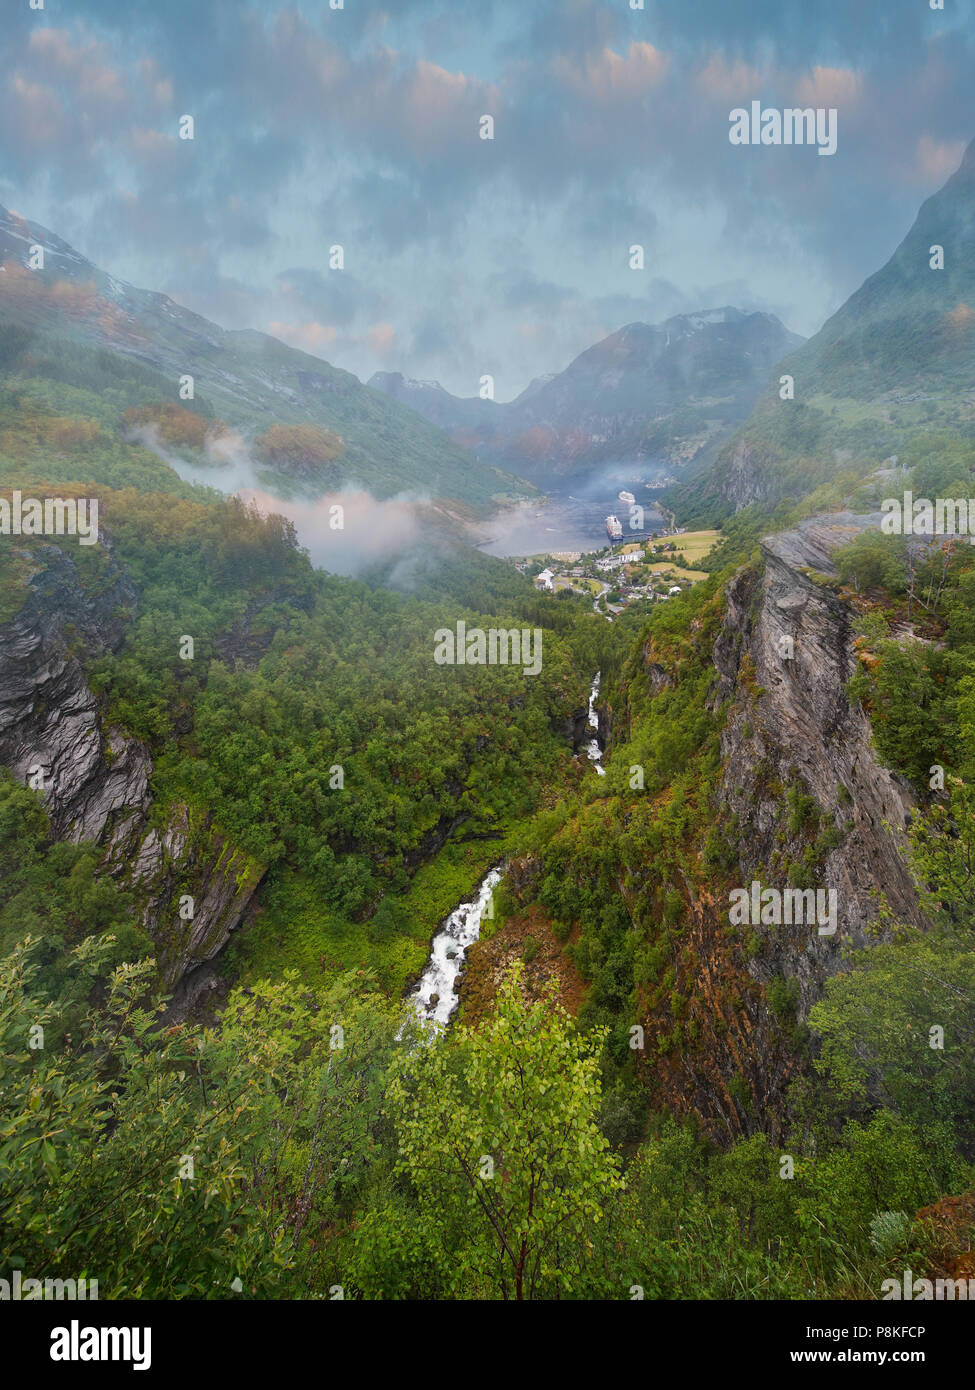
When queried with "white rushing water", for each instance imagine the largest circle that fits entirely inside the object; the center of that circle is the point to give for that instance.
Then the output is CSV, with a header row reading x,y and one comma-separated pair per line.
x,y
593,751
434,996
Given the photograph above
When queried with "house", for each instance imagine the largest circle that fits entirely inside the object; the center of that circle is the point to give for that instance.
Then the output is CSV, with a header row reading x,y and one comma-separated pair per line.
x,y
675,589
544,580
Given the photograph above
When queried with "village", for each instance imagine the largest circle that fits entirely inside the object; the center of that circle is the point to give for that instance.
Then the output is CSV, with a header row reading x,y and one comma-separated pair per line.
x,y
641,573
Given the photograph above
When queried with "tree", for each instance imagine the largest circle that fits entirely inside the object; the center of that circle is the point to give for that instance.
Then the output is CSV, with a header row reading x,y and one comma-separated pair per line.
x,y
898,1030
872,561
499,1139
174,1162
113,1166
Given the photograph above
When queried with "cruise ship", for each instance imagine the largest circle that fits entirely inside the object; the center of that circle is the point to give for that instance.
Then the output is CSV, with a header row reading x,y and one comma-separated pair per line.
x,y
614,528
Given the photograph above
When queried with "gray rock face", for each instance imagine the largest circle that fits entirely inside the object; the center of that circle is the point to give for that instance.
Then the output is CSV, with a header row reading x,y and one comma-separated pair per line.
x,y
49,717
193,861
791,725
801,803
744,481
96,778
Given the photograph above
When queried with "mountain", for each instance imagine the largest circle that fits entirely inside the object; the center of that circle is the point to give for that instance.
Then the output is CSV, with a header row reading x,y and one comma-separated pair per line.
x,y
429,399
58,323
663,392
897,355
909,327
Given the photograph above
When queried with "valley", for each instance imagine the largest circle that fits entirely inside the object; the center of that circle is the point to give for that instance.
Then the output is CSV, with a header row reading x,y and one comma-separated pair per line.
x,y
487,904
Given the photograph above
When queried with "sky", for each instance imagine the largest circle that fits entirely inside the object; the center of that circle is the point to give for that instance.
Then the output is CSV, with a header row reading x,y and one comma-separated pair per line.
x,y
360,127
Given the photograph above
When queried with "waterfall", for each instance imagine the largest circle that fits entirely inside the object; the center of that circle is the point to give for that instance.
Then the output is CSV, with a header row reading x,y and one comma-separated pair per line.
x,y
434,996
593,751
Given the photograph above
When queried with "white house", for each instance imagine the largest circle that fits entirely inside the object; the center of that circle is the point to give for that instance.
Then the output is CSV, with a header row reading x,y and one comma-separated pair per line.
x,y
544,580
675,589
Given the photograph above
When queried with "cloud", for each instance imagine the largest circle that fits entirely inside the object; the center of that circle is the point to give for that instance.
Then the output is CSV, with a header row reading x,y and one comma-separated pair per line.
x,y
937,160
311,337
361,127
371,531
382,336
726,79
336,295
829,87
608,78
34,118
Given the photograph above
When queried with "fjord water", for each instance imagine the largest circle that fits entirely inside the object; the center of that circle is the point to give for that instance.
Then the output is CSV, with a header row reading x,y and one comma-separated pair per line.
x,y
567,521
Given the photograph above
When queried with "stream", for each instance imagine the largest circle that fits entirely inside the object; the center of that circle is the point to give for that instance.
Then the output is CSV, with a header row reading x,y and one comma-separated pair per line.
x,y
593,751
435,997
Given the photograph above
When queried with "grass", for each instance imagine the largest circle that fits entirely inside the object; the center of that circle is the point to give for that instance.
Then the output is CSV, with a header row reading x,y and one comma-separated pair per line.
x,y
295,930
677,571
694,545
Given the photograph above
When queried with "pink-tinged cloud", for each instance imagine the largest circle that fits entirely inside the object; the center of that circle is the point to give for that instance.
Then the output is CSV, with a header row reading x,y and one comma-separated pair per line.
x,y
152,81
381,338
34,112
609,77
735,82
829,87
86,64
417,105
153,149
310,337
433,109
936,160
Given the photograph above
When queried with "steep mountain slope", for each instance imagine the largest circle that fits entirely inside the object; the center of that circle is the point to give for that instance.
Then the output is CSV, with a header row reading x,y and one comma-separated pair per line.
x,y
429,399
95,777
733,757
910,327
897,355
211,775
75,313
661,392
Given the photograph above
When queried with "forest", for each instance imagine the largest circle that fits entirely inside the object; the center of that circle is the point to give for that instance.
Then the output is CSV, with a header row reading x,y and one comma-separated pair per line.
x,y
310,1141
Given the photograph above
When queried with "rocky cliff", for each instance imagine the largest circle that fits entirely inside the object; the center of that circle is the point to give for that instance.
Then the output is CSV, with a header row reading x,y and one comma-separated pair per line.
x,y
802,802
93,777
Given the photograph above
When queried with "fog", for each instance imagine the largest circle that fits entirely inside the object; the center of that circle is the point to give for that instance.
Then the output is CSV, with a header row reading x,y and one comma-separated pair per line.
x,y
345,531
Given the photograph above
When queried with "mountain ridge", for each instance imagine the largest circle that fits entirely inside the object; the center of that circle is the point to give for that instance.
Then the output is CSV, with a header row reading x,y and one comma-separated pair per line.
x,y
898,352
247,379
660,392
